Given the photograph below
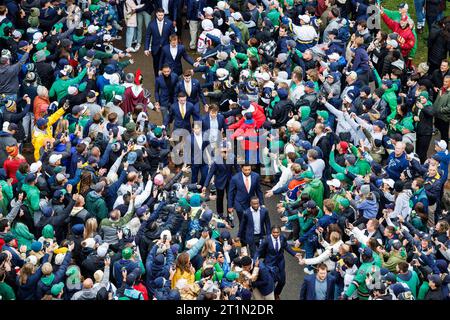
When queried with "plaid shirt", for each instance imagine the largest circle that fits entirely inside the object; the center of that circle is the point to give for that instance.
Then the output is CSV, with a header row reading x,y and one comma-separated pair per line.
x,y
269,47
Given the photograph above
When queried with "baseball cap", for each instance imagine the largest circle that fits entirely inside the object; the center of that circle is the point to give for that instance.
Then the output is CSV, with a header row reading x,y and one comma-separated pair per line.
x,y
389,182
366,251
334,183
379,124
390,276
305,18
54,158
435,278
141,210
441,144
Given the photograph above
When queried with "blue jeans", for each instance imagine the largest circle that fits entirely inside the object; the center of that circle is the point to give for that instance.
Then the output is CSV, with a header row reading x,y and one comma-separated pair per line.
x,y
143,20
420,12
129,36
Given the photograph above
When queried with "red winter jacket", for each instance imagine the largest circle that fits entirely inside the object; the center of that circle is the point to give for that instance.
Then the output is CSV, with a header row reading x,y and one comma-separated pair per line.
x,y
405,39
258,116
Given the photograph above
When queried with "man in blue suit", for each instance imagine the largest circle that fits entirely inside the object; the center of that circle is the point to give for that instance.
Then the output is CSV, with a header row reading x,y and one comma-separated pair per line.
x,y
157,36
172,53
164,90
272,250
255,225
195,154
171,9
318,286
264,285
192,88
243,186
222,170
213,124
180,114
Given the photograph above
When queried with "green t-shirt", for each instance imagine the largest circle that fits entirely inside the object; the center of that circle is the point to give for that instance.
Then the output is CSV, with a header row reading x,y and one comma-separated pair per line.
x,y
6,292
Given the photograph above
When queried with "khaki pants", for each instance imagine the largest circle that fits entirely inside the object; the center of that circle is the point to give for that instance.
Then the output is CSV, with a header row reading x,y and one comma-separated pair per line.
x,y
258,296
431,211
193,30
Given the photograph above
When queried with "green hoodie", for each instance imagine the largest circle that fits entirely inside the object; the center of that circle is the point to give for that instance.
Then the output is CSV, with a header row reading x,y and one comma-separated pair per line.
x,y
362,164
389,96
23,235
7,193
413,282
48,232
95,204
305,221
60,86
218,273
406,122
110,90
315,190
393,259
339,169
33,197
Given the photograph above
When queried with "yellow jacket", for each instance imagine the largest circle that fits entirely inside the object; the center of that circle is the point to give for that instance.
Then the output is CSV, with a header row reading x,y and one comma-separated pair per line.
x,y
190,277
39,137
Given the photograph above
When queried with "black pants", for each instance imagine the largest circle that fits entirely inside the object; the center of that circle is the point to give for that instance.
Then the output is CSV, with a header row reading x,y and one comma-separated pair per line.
x,y
156,58
422,144
443,127
253,247
220,199
280,280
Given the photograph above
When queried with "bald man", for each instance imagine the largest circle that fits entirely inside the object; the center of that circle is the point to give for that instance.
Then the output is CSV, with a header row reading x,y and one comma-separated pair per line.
x,y
397,161
89,292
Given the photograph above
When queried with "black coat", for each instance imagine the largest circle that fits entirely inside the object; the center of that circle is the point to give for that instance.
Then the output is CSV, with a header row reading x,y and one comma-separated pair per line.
x,y
46,73
281,112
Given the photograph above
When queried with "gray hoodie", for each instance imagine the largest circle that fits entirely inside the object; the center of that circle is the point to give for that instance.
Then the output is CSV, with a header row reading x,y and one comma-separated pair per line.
x,y
91,294
9,76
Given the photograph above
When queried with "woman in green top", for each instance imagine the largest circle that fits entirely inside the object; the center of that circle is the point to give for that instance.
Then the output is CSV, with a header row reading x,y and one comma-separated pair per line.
x,y
404,123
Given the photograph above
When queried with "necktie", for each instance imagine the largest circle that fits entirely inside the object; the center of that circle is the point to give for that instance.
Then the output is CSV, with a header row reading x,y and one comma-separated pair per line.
x,y
247,183
277,246
366,233
182,111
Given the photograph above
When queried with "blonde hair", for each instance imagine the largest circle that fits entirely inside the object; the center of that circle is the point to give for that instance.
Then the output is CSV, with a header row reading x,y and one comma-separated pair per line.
x,y
47,269
26,271
90,228
335,237
61,127
209,247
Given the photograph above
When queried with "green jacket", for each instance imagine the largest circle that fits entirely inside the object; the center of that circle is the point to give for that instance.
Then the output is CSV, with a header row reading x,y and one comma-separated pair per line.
x,y
305,221
315,190
244,31
393,259
395,15
98,54
407,122
59,87
96,205
389,96
23,235
33,197
274,16
339,169
359,281
441,107
218,273
120,223
413,282
110,90
7,193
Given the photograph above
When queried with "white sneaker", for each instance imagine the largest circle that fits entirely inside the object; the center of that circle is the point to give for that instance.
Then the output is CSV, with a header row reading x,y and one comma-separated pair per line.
x,y
130,49
138,46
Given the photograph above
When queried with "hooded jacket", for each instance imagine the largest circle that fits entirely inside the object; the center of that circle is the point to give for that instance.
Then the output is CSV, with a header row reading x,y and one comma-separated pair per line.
x,y
96,205
45,283
23,235
33,197
9,76
411,279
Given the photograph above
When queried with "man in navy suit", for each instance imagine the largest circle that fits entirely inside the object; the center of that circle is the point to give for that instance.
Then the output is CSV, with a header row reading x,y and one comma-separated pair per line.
x,y
255,225
318,286
264,285
222,170
172,53
213,124
195,154
243,186
171,9
192,88
157,36
164,90
180,114
272,250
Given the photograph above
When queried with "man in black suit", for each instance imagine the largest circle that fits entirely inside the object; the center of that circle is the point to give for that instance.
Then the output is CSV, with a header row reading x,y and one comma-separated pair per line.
x,y
272,250
255,225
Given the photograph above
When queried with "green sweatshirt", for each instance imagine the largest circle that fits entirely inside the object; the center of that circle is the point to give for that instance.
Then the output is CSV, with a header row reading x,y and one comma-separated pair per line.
x,y
359,282
406,122
33,197
218,273
389,96
339,169
413,282
7,193
59,87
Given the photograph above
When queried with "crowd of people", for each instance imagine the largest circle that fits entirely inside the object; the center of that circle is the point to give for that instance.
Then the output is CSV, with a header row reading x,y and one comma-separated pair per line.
x,y
335,116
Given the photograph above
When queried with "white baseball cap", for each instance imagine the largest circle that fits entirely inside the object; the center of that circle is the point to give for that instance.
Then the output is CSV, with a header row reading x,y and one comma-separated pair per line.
x,y
92,29
54,158
208,10
34,167
37,36
441,144
236,16
389,182
334,183
305,18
